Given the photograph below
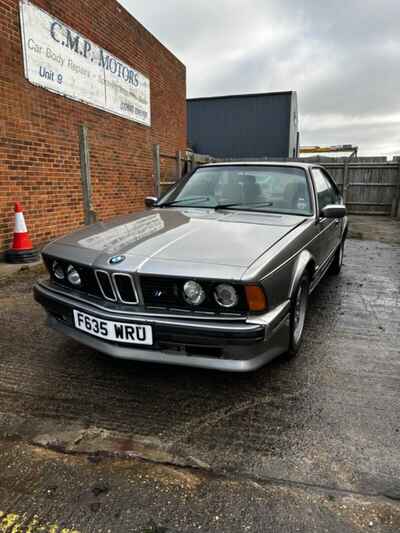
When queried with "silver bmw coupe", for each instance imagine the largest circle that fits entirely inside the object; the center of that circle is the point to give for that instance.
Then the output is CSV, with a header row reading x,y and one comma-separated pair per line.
x,y
215,274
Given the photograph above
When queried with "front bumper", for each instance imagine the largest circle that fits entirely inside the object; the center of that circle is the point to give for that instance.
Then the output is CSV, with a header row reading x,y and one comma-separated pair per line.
x,y
233,345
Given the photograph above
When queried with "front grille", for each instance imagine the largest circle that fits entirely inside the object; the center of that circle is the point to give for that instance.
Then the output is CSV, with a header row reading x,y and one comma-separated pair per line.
x,y
125,288
160,292
105,285
167,293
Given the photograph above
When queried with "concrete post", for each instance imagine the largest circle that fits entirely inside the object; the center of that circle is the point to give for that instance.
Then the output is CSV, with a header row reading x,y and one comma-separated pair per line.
x,y
157,169
90,215
178,165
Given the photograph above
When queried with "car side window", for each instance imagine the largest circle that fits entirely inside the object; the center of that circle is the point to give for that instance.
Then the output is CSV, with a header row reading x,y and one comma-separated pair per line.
x,y
325,191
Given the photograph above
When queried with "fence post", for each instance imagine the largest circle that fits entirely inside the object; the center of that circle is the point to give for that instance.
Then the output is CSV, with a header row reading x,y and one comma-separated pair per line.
x,y
157,169
178,165
345,179
188,160
396,199
90,215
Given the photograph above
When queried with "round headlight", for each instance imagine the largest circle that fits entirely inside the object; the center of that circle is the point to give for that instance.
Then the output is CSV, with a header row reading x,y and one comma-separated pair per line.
x,y
73,276
193,293
57,270
226,295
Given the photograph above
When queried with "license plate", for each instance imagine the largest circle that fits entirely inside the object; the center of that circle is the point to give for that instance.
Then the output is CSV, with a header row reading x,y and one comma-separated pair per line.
x,y
113,331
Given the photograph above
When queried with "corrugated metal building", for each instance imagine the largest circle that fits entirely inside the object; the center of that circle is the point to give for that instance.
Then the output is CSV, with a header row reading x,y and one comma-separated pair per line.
x,y
250,125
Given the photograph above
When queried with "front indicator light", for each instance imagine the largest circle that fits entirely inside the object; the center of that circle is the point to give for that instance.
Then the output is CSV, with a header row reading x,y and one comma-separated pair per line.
x,y
73,276
256,299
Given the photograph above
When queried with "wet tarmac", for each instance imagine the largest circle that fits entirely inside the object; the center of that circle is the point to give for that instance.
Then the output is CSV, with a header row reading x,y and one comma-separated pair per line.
x,y
310,444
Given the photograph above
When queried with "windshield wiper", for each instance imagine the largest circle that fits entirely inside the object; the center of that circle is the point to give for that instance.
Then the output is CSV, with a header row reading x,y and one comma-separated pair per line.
x,y
177,202
242,205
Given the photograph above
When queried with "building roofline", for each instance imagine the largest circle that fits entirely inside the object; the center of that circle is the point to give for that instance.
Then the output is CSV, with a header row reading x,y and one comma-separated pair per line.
x,y
245,95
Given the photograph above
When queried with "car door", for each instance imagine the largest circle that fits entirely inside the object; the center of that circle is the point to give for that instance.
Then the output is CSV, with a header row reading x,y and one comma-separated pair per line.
x,y
329,230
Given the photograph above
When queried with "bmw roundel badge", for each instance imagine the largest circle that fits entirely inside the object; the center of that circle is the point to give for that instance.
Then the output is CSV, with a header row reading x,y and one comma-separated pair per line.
x,y
116,259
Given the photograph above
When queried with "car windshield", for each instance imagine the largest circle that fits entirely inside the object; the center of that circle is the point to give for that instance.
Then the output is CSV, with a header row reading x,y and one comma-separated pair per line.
x,y
280,189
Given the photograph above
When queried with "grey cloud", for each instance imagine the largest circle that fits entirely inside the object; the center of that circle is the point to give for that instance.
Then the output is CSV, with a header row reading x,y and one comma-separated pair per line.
x,y
341,57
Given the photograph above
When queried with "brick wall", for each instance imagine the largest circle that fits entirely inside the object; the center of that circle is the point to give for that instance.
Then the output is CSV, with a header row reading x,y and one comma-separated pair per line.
x,y
39,140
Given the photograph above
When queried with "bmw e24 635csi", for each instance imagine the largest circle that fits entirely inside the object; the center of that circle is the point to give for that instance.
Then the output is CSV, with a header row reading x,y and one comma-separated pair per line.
x,y
215,274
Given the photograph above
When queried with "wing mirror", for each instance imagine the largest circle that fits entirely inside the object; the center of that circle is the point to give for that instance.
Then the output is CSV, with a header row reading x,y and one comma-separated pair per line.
x,y
150,201
334,211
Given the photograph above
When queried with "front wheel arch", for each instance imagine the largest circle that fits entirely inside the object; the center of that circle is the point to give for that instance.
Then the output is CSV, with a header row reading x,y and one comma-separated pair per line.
x,y
305,263
298,315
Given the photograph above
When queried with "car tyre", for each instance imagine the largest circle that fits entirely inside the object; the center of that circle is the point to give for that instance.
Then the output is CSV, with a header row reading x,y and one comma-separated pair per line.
x,y
298,312
337,262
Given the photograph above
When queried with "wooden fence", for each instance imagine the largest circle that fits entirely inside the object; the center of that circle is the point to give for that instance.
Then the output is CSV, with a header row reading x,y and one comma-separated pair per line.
x,y
370,185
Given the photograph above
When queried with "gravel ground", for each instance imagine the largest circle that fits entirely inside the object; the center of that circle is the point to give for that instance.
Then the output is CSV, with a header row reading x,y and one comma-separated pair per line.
x,y
312,444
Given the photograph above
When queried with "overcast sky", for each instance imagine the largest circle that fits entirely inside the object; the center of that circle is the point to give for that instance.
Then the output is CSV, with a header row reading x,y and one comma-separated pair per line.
x,y
342,58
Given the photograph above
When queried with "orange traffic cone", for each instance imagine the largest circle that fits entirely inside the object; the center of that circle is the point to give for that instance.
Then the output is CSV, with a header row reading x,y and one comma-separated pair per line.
x,y
21,250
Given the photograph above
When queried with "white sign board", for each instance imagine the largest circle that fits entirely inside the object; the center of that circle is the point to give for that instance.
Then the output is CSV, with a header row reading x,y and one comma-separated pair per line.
x,y
61,60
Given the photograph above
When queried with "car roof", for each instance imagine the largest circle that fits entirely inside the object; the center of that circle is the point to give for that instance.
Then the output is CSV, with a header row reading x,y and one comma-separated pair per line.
x,y
271,163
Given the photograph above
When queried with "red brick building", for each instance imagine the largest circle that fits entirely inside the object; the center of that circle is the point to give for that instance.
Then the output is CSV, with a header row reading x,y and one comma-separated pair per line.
x,y
39,130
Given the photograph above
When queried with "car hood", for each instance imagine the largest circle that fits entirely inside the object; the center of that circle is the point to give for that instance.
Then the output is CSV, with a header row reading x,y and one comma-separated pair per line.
x,y
192,235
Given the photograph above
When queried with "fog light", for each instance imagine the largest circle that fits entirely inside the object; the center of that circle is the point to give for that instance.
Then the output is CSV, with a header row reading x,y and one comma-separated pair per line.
x,y
225,295
193,293
73,276
57,270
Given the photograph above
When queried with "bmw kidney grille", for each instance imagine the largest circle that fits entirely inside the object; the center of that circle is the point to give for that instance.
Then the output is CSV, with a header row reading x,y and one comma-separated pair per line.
x,y
117,286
